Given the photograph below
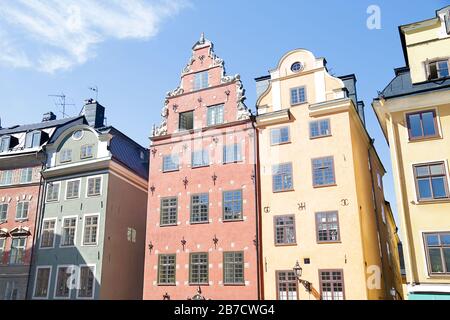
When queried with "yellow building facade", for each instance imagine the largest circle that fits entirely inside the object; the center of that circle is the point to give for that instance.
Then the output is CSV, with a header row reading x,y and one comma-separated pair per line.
x,y
321,192
414,113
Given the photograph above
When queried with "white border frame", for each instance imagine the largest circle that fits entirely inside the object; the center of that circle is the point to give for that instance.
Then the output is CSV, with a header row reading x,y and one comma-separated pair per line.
x,y
61,233
54,233
73,134
417,201
79,281
28,210
427,272
423,109
83,226
59,191
79,189
56,282
87,186
48,282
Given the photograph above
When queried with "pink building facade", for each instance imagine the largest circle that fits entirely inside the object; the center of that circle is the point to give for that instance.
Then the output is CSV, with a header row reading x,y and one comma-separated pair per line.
x,y
202,210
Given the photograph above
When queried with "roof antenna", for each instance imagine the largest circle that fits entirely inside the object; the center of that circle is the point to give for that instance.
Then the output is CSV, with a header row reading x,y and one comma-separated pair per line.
x,y
95,89
61,102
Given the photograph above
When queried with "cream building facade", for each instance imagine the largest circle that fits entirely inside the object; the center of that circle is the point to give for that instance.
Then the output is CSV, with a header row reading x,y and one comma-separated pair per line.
x,y
414,113
321,187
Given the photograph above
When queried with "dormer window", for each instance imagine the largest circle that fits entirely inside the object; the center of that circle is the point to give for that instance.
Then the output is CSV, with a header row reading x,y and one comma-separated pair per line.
x,y
438,69
4,143
201,80
65,155
33,139
297,67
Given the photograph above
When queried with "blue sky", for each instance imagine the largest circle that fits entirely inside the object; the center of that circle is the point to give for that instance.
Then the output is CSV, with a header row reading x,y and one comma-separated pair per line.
x,y
134,51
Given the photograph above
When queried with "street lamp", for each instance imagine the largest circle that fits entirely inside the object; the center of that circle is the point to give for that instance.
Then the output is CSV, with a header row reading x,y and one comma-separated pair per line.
x,y
393,293
298,274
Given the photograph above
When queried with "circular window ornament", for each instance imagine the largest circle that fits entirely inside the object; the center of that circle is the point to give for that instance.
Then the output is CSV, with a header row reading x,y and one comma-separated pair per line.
x,y
297,67
77,135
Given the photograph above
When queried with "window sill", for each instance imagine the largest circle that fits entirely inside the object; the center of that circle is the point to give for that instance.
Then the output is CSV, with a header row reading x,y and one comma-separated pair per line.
x,y
320,137
202,166
419,139
166,284
21,220
285,244
325,185
431,201
92,195
280,144
298,103
330,242
234,284
232,220
199,284
233,162
169,171
281,191
197,223
168,225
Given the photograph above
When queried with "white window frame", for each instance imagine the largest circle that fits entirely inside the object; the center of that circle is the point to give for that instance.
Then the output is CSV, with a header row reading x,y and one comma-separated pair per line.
x,y
86,146
21,173
59,192
84,227
67,188
59,266
54,233
10,176
383,213
62,231
2,249
61,153
28,210
48,282
79,281
7,210
87,186
24,248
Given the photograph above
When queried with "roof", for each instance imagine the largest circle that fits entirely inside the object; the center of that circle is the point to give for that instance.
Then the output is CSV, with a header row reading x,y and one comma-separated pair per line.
x,y
38,126
127,151
401,85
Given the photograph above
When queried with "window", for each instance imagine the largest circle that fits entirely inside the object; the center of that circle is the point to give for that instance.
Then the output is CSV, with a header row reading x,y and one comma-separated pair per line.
x,y
166,268
2,248
86,151
3,212
422,125
11,292
319,128
438,69
323,172
4,144
331,284
170,163
379,180
287,285
298,95
233,267
201,80
131,235
200,158
327,224
279,135
48,233
53,191
73,189
198,268
22,210
297,67
199,208
284,230
87,282
42,282
186,120
90,230
383,214
169,211
65,155
232,205
388,250
94,186
437,248
215,115
232,153
68,232
282,177
26,175
6,178
77,135
431,181
33,139
62,289
17,253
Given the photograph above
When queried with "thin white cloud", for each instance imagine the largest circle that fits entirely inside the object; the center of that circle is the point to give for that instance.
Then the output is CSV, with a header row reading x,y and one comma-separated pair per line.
x,y
52,35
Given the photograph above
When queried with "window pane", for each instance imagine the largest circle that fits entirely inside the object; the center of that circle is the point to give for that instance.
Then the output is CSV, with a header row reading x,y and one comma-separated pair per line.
x,y
232,205
422,171
415,125
186,120
432,239
279,135
424,188
428,124
199,208
170,163
435,260
438,184
445,239
215,115
446,252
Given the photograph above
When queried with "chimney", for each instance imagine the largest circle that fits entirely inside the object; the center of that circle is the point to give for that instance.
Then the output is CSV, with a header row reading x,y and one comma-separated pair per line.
x,y
361,112
94,113
48,116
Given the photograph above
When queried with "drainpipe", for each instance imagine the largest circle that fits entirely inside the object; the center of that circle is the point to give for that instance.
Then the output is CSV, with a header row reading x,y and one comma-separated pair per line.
x,y
258,214
37,222
386,287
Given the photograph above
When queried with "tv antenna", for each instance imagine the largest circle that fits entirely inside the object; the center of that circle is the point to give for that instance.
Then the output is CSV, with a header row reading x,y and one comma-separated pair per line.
x,y
95,89
60,101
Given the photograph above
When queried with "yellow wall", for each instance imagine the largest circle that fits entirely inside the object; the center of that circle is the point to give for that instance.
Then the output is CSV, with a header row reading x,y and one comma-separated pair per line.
x,y
349,146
